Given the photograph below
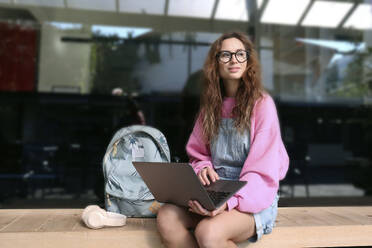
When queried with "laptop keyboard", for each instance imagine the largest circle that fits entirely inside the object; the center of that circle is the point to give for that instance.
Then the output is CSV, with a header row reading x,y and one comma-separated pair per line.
x,y
217,196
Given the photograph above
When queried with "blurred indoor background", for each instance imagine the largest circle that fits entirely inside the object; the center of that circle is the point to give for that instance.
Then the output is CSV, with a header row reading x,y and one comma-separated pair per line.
x,y
72,72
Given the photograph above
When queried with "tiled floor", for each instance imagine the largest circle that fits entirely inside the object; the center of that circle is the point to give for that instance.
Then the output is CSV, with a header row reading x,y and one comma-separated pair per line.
x,y
321,190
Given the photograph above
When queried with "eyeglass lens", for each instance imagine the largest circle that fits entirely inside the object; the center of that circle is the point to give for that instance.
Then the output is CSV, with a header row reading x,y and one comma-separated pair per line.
x,y
241,56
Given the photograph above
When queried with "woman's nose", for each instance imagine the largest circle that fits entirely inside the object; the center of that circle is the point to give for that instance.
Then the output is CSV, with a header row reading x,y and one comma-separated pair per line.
x,y
233,59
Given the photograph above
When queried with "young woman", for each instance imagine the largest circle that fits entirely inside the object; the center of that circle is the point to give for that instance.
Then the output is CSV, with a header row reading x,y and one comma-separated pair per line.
x,y
236,136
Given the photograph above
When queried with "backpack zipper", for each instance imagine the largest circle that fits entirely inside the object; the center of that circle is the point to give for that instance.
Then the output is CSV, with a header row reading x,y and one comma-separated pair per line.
x,y
108,199
115,148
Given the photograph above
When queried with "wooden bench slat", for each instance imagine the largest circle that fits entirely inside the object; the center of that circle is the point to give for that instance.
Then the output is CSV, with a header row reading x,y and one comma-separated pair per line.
x,y
362,215
296,227
6,220
57,223
302,217
93,238
321,236
27,223
325,216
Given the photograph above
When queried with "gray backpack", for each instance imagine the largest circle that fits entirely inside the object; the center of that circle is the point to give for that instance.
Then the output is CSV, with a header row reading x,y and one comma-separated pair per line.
x,y
125,191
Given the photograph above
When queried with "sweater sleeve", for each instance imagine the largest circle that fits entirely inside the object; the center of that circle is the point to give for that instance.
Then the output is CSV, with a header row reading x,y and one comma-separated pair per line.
x,y
266,163
197,150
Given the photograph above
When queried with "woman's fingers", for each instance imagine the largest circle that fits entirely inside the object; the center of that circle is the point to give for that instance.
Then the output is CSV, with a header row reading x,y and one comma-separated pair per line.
x,y
203,176
195,207
207,174
200,208
219,210
213,174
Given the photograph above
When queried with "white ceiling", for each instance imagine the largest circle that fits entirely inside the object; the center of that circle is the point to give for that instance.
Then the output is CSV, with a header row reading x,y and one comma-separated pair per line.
x,y
232,10
287,12
361,18
322,13
47,3
154,7
191,8
107,5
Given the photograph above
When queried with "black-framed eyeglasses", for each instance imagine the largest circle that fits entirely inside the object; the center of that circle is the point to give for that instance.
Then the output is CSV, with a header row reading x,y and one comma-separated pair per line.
x,y
226,56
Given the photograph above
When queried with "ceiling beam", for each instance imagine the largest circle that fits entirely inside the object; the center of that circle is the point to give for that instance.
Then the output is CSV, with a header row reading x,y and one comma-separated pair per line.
x,y
162,23
156,22
252,27
262,9
40,14
214,9
347,15
166,7
307,9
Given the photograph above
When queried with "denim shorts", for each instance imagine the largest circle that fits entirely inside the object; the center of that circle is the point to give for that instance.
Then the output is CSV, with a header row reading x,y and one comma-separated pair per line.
x,y
265,220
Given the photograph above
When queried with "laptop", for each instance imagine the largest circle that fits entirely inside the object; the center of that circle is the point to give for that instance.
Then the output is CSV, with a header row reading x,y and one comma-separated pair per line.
x,y
177,183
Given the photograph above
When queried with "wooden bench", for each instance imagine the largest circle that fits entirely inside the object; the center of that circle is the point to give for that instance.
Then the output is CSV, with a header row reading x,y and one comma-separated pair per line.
x,y
296,227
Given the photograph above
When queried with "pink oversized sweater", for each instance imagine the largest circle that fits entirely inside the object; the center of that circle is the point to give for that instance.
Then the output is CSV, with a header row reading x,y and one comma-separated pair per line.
x,y
267,161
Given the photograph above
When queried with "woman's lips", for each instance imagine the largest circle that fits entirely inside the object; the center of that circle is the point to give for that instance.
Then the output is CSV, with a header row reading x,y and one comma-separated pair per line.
x,y
233,69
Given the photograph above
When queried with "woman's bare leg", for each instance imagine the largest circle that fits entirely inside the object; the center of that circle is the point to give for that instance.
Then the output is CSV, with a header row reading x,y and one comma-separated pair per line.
x,y
225,229
173,225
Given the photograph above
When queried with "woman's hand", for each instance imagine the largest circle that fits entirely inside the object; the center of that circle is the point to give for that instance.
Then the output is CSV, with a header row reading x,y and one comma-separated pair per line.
x,y
207,173
195,207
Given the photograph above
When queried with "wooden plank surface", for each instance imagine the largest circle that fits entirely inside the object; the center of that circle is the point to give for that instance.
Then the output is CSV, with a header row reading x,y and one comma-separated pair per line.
x,y
324,216
8,219
295,227
316,236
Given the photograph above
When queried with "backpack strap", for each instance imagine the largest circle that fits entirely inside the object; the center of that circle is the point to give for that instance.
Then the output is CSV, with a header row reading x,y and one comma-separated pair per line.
x,y
118,135
157,136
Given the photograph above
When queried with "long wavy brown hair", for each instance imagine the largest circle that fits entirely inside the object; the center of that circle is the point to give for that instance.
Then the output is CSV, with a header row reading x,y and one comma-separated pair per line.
x,y
250,89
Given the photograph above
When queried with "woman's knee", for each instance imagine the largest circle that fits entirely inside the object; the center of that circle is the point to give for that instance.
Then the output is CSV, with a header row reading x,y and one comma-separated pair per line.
x,y
207,234
167,218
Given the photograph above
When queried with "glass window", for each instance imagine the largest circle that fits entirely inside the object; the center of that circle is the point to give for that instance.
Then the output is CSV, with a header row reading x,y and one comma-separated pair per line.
x,y
76,63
